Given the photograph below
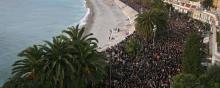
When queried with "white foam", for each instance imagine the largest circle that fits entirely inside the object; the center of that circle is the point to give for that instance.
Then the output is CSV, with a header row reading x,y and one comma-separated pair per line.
x,y
85,17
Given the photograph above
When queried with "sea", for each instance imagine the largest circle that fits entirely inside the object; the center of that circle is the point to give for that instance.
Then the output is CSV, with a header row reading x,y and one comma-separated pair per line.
x,y
27,22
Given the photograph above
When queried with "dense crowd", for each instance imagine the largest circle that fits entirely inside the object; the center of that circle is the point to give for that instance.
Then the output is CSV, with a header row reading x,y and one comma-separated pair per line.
x,y
153,66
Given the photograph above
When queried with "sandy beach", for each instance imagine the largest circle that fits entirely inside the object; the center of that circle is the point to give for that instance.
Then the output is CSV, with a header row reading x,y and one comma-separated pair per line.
x,y
105,16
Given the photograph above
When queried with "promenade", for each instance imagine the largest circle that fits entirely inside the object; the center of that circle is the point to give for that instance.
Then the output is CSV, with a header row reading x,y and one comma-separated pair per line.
x,y
210,17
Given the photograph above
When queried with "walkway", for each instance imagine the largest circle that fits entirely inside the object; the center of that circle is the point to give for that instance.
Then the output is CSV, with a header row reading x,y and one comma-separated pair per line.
x,y
214,24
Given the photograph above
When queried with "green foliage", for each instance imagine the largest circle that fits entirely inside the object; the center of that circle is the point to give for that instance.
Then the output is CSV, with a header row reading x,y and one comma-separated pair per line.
x,y
210,79
214,73
207,4
207,26
21,83
169,7
132,46
191,61
157,15
218,38
145,22
204,81
158,4
185,81
69,61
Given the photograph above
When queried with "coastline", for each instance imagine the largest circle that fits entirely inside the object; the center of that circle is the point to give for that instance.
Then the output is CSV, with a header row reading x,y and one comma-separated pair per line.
x,y
90,17
106,15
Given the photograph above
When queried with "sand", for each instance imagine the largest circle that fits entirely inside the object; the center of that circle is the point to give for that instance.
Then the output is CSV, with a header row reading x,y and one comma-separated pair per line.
x,y
105,16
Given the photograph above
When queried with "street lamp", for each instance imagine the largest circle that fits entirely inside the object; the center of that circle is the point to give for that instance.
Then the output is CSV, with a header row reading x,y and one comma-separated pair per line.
x,y
154,30
141,10
110,80
170,9
110,35
141,5
110,62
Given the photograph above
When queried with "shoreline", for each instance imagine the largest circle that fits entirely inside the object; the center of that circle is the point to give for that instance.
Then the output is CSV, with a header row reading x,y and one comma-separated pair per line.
x,y
90,18
106,15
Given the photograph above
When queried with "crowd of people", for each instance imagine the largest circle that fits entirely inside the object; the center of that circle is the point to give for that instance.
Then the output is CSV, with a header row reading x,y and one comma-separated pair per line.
x,y
154,65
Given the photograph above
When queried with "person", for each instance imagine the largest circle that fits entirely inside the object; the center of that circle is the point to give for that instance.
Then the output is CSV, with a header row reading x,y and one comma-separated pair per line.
x,y
152,67
118,30
109,38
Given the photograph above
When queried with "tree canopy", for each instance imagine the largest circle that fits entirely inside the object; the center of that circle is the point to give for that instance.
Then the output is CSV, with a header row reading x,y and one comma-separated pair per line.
x,y
70,60
147,21
207,4
191,61
209,79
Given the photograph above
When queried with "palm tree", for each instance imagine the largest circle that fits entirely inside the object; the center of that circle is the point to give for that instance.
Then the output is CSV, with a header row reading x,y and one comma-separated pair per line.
x,y
58,67
20,83
144,24
75,35
68,61
25,70
89,64
27,66
146,21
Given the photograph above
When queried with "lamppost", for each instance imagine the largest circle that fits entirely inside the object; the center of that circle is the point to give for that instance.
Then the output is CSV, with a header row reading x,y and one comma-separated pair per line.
x,y
110,35
140,9
154,30
110,62
110,71
170,9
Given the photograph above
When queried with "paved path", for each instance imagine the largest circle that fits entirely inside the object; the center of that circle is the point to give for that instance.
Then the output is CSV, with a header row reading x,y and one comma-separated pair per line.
x,y
212,41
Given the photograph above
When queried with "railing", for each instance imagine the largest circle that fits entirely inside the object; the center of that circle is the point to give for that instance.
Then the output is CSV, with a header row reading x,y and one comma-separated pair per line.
x,y
213,21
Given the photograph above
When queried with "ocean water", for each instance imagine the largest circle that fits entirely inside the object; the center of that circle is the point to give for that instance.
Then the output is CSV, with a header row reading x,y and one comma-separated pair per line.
x,y
27,22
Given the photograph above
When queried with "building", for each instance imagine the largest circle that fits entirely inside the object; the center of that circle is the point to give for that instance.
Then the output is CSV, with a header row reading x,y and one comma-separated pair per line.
x,y
194,9
185,3
216,4
202,16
